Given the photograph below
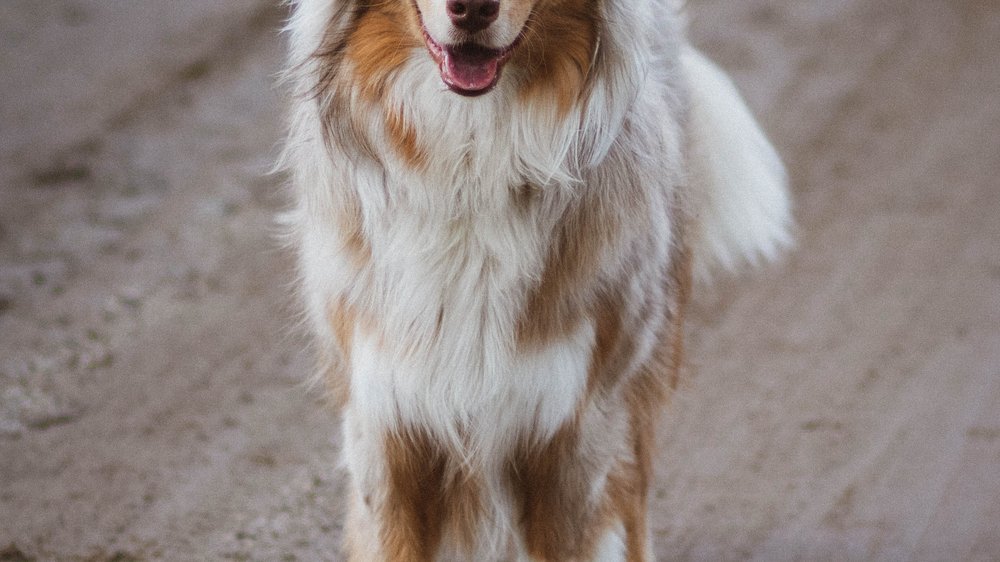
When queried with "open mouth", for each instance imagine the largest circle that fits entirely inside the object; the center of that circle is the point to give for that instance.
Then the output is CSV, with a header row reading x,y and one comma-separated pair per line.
x,y
469,69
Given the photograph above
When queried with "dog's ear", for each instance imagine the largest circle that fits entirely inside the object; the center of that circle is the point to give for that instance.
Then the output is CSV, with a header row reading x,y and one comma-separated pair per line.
x,y
738,185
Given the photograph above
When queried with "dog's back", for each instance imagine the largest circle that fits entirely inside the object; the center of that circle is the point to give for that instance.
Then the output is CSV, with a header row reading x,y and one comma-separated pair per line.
x,y
497,273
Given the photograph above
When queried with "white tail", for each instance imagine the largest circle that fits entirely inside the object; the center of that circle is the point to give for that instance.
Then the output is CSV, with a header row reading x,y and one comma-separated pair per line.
x,y
738,183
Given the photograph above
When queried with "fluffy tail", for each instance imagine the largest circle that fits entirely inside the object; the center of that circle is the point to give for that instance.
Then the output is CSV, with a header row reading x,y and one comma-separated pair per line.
x,y
738,184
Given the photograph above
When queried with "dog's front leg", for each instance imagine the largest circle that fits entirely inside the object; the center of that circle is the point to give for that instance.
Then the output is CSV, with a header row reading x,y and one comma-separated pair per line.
x,y
398,493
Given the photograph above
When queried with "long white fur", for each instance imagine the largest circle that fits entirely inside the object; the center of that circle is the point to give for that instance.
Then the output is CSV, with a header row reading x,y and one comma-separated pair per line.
x,y
447,245
611,547
738,180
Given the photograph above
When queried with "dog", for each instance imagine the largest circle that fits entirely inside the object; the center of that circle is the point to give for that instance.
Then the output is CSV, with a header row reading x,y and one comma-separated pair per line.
x,y
500,206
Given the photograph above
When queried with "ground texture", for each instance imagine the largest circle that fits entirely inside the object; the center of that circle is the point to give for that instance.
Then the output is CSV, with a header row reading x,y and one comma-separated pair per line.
x,y
844,405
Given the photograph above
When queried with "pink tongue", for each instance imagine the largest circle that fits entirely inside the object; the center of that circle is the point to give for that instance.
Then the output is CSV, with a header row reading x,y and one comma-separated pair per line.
x,y
469,69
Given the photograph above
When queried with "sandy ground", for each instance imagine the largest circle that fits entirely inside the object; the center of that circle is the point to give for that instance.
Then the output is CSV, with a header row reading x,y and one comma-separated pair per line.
x,y
842,406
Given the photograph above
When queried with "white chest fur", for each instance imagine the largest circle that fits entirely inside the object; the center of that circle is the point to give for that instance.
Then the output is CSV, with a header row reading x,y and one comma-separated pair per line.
x,y
447,290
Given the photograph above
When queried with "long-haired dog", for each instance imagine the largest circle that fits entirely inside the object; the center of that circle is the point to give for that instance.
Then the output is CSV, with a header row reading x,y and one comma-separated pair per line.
x,y
499,208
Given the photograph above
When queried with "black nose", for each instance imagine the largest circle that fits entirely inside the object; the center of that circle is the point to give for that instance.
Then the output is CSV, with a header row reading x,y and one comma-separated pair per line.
x,y
473,15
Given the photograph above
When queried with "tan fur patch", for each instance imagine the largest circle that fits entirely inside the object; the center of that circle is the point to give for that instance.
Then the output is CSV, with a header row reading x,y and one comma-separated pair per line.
x,y
557,51
344,319
626,502
338,376
554,513
352,232
378,46
404,138
556,305
613,345
429,497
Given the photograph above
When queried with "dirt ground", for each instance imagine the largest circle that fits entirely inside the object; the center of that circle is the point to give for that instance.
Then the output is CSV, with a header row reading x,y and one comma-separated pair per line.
x,y
844,405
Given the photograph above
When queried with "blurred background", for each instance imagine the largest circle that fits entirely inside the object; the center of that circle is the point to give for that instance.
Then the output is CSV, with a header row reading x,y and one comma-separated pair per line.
x,y
842,405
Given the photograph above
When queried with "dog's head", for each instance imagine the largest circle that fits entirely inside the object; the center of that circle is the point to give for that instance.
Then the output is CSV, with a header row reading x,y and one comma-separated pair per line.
x,y
471,40
550,42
